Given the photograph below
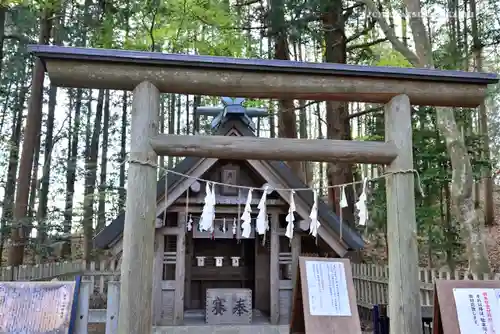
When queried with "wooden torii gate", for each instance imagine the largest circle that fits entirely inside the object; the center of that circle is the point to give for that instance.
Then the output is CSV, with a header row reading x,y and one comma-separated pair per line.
x,y
147,74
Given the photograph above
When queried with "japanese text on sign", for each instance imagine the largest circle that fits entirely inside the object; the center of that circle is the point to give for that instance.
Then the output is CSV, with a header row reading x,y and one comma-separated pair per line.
x,y
327,286
475,310
42,307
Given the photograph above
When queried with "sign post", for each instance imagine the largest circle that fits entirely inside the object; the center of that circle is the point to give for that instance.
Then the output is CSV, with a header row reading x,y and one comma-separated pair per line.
x,y
471,307
324,298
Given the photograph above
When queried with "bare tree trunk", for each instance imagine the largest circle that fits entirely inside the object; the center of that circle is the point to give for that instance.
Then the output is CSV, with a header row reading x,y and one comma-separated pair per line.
x,y
287,120
162,130
71,172
33,192
196,120
123,130
477,48
73,160
338,126
10,184
3,12
91,176
101,215
45,180
33,126
42,209
462,178
123,152
171,125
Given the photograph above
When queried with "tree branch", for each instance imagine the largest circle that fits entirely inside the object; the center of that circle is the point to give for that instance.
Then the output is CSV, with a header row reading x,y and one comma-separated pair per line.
x,y
20,39
365,31
366,45
211,24
246,3
364,112
349,10
390,34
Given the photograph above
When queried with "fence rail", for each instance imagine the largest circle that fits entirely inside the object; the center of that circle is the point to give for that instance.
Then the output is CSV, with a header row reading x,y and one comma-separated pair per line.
x,y
97,273
371,283
370,280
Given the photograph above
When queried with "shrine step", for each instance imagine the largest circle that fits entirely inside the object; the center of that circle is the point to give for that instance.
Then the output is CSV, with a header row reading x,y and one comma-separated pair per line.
x,y
222,329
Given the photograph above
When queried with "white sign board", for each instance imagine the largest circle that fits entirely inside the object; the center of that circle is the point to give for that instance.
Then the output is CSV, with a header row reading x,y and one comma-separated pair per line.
x,y
478,310
36,307
327,287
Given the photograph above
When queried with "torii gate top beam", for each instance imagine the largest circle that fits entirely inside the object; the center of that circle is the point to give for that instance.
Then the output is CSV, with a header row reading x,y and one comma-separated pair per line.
x,y
222,76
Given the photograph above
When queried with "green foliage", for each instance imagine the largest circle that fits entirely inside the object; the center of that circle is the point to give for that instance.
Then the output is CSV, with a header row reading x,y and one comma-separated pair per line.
x,y
388,57
437,229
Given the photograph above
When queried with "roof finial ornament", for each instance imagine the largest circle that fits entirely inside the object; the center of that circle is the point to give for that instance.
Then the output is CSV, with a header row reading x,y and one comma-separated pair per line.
x,y
232,107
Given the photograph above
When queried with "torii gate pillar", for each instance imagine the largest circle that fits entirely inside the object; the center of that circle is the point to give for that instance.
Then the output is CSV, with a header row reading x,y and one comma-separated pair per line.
x,y
404,284
136,290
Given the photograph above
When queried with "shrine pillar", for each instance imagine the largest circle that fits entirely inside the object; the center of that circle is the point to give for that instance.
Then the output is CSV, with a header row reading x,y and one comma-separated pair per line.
x,y
274,270
180,270
404,283
140,212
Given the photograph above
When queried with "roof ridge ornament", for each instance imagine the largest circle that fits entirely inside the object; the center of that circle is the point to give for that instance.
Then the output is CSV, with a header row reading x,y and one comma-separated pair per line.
x,y
232,108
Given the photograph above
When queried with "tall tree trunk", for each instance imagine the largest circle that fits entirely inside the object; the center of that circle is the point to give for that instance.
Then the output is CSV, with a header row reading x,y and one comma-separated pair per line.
x,y
10,184
123,152
196,119
171,125
91,176
123,130
337,121
477,50
162,130
71,172
33,126
101,216
3,14
287,120
41,215
73,160
33,191
462,176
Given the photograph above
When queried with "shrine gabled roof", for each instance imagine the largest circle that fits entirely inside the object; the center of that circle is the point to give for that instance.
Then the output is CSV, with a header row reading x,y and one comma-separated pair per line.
x,y
349,235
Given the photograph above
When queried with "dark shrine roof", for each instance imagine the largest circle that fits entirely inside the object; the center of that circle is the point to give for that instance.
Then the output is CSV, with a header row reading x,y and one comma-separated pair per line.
x,y
255,65
349,235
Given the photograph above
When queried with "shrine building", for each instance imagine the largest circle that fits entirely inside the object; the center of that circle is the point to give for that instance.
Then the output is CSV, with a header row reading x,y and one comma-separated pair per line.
x,y
219,276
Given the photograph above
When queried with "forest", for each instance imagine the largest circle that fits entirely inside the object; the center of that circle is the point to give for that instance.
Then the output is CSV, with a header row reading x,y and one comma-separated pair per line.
x,y
64,180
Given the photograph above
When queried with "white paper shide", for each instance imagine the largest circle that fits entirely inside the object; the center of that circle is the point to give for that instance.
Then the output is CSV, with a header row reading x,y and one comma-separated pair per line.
x,y
262,223
327,287
246,217
314,224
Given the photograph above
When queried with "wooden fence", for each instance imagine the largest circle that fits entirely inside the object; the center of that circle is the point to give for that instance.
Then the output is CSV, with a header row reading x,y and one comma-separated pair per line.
x,y
98,273
370,281
108,315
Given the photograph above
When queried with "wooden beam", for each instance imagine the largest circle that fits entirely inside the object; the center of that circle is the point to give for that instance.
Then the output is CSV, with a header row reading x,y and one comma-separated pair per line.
x,y
170,230
158,278
286,149
136,286
404,283
275,270
296,247
262,84
180,271
189,265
